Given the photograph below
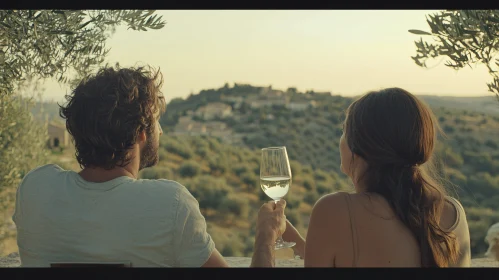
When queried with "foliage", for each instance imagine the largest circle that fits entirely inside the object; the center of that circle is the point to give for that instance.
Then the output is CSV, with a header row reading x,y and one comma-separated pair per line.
x,y
48,43
178,148
235,206
22,148
465,37
156,173
189,169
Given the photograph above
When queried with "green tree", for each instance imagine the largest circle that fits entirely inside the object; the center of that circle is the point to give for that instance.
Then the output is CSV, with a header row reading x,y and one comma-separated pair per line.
x,y
218,164
157,172
308,184
491,144
449,129
310,197
22,148
234,205
294,217
209,191
452,158
250,179
464,37
176,146
189,169
48,43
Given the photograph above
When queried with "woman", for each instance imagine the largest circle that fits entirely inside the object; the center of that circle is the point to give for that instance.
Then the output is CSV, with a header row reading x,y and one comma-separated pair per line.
x,y
398,216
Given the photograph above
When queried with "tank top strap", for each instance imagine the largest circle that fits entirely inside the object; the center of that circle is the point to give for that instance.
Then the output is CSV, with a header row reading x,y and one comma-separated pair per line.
x,y
459,212
353,228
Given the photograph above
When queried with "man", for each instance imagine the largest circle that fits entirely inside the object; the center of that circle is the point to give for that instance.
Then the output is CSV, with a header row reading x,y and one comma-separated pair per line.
x,y
492,239
105,213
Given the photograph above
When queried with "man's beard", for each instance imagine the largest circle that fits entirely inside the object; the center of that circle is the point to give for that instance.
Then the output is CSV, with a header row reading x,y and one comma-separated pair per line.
x,y
149,154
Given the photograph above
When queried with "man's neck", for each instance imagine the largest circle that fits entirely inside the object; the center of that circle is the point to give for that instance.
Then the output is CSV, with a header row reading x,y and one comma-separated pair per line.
x,y
99,175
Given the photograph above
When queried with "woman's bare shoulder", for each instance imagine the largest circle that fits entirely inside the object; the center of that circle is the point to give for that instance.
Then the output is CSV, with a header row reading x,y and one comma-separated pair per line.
x,y
330,214
332,197
330,204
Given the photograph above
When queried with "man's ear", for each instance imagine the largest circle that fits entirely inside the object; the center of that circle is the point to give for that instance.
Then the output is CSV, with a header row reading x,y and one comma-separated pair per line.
x,y
142,138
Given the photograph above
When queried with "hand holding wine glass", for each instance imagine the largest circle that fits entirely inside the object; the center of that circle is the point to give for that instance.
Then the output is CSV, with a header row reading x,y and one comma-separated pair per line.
x,y
275,179
271,221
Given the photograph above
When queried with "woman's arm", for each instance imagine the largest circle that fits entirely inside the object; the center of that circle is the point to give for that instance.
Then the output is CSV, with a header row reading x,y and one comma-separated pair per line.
x,y
292,234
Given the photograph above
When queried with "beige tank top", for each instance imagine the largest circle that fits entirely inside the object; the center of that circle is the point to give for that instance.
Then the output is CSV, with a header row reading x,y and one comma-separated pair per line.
x,y
460,229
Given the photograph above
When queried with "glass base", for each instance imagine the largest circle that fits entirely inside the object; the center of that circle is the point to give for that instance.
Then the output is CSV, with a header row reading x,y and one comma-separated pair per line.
x,y
284,244
297,257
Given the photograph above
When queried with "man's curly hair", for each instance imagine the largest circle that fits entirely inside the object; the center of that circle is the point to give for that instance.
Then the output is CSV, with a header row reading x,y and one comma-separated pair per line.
x,y
106,112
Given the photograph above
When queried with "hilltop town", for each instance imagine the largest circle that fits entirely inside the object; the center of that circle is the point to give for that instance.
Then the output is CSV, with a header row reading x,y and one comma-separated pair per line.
x,y
211,119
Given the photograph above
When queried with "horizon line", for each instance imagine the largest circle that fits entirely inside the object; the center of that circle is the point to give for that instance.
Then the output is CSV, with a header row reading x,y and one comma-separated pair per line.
x,y
54,100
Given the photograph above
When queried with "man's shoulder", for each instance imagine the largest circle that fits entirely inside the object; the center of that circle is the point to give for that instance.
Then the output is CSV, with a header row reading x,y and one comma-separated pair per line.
x,y
44,170
160,183
163,185
163,190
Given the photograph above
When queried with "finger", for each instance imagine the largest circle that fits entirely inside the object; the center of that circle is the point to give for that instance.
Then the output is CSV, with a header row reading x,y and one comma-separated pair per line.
x,y
272,204
281,204
267,207
282,226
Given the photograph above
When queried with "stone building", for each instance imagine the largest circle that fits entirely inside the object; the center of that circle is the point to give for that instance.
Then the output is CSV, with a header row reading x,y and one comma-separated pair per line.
x,y
214,110
301,105
58,135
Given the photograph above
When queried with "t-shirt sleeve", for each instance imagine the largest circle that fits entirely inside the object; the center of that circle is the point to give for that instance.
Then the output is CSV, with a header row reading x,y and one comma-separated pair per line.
x,y
31,176
17,210
192,243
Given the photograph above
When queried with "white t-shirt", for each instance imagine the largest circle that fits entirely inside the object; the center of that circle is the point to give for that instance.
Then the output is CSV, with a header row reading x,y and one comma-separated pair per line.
x,y
149,223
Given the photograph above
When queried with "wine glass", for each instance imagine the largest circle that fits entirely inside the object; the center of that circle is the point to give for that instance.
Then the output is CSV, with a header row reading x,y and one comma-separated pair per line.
x,y
275,178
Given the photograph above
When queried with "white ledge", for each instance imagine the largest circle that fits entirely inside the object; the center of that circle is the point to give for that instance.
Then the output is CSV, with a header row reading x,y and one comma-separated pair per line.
x,y
12,260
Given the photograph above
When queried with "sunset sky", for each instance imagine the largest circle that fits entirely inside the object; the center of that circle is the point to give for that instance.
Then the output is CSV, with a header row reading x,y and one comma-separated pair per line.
x,y
343,51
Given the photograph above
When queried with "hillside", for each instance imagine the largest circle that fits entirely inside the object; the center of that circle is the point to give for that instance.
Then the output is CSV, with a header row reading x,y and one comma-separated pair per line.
x,y
485,104
212,139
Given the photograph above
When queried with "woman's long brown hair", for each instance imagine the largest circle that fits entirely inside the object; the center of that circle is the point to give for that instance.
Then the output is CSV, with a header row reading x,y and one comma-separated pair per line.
x,y
395,133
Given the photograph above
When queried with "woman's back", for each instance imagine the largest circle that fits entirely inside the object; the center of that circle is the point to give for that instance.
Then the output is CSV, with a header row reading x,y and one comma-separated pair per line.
x,y
377,238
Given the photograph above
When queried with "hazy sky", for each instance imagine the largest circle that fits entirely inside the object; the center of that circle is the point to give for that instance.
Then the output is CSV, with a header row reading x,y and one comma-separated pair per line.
x,y
345,52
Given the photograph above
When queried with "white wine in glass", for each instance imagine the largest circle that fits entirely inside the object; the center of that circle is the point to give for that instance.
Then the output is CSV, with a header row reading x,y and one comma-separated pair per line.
x,y
275,179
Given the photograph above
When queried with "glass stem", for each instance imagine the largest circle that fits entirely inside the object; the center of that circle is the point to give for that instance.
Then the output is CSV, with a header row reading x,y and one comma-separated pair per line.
x,y
279,239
